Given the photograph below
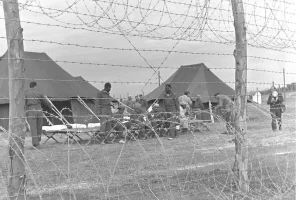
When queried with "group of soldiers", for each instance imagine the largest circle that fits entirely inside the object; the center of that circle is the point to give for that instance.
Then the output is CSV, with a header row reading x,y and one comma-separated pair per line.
x,y
134,121
162,120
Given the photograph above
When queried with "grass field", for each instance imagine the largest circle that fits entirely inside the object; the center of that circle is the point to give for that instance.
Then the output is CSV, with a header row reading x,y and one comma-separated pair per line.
x,y
194,166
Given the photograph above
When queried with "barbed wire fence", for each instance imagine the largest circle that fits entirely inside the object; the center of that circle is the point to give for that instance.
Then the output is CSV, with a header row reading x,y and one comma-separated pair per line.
x,y
197,164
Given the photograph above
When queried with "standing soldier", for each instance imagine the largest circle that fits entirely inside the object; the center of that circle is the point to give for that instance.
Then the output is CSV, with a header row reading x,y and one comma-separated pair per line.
x,y
34,112
225,105
103,108
170,105
275,101
143,101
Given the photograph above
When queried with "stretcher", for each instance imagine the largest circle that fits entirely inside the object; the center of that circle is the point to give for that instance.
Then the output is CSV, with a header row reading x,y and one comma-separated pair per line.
x,y
72,131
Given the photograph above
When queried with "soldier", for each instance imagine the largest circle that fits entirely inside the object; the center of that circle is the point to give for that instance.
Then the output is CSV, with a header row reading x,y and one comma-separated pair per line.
x,y
156,118
170,106
137,99
130,104
34,112
120,125
103,108
143,101
198,107
275,101
225,105
138,120
185,100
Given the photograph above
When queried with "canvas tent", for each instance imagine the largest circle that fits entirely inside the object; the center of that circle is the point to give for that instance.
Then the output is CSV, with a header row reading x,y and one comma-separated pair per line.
x,y
197,79
57,84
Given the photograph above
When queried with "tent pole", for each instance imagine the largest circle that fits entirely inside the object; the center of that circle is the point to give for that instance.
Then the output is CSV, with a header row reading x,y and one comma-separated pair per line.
x,y
257,94
210,111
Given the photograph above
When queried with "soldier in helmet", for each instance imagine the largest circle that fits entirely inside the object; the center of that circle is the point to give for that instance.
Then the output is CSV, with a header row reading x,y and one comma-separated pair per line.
x,y
275,101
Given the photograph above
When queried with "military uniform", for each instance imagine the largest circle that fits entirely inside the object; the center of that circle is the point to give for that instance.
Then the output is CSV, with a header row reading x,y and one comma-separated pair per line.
x,y
103,107
171,108
226,107
143,103
119,124
137,120
34,113
198,107
130,104
275,109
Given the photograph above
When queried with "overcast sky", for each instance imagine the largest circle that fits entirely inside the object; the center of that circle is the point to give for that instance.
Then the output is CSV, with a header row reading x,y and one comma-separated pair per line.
x,y
96,26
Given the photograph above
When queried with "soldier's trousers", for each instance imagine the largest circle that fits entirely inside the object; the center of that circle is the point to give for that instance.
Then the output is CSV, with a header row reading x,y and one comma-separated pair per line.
x,y
35,119
171,124
105,122
229,120
276,116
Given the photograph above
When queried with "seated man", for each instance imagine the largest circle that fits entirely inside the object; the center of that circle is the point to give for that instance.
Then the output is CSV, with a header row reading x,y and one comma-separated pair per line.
x,y
156,117
130,105
198,107
138,121
120,124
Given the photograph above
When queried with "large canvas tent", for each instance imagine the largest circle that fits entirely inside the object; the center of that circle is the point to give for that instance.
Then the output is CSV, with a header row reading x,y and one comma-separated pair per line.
x,y
197,79
57,84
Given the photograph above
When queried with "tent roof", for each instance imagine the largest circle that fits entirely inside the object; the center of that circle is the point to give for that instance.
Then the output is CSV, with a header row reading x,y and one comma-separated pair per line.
x,y
51,79
197,79
86,85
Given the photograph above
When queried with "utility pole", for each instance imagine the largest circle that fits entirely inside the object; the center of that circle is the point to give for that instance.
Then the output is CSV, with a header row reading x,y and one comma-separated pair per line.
x,y
158,78
17,127
239,112
284,89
